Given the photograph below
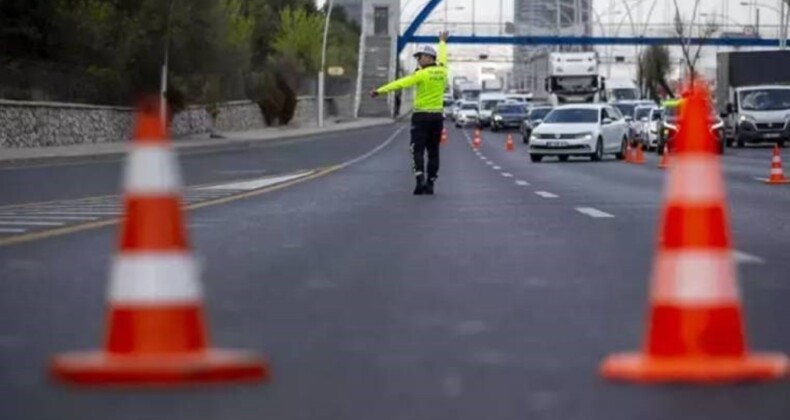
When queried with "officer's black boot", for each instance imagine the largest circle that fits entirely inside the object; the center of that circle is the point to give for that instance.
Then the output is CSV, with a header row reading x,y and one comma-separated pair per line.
x,y
420,188
428,190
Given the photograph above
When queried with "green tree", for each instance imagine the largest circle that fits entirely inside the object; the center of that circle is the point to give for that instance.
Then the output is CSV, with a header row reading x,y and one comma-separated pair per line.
x,y
299,36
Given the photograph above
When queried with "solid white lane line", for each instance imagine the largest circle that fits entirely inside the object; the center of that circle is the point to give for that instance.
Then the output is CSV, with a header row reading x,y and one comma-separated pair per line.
x,y
507,175
11,230
522,183
546,194
29,223
745,258
593,212
496,168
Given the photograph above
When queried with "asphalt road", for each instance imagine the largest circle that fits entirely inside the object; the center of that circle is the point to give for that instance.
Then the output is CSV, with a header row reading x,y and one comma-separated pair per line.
x,y
495,299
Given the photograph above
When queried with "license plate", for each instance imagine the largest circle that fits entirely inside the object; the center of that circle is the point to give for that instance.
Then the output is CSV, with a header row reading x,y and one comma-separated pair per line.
x,y
558,143
772,135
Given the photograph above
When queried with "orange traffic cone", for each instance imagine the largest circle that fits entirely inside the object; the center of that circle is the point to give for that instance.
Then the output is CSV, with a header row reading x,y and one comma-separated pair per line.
x,y
156,333
476,143
629,152
509,143
444,135
777,174
640,156
696,331
664,163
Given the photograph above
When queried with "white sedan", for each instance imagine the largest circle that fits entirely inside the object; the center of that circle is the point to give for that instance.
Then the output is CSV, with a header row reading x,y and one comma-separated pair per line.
x,y
580,130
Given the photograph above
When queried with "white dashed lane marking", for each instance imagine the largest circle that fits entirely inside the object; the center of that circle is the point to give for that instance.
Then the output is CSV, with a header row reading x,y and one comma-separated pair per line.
x,y
496,168
521,183
546,194
12,230
745,258
593,212
507,175
489,163
29,223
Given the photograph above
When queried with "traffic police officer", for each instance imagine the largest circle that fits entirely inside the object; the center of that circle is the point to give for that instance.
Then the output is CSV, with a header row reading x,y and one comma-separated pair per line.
x,y
427,119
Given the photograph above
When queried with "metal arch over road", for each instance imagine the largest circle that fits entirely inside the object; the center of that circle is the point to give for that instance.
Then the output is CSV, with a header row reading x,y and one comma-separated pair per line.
x,y
409,37
596,40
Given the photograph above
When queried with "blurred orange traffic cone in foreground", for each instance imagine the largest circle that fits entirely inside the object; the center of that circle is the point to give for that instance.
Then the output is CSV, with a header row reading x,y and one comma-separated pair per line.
x,y
444,135
695,331
640,156
664,163
156,333
476,142
509,143
777,174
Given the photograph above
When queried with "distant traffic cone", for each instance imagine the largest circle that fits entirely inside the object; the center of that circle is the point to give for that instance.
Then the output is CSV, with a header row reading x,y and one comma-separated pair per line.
x,y
444,135
640,156
476,143
777,174
509,143
156,333
664,163
629,153
696,331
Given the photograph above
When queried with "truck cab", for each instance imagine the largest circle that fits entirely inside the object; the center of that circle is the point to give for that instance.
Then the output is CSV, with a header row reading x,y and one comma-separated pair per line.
x,y
574,78
758,114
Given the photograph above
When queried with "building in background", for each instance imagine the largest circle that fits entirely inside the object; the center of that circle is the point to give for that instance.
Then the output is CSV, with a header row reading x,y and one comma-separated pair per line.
x,y
353,9
545,18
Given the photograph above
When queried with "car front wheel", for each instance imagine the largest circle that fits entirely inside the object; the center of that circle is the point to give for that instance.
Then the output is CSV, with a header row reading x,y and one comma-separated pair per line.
x,y
598,154
536,158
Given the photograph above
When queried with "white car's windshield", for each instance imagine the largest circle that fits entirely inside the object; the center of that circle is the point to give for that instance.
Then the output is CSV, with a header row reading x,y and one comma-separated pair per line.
x,y
642,113
626,109
469,107
765,100
572,116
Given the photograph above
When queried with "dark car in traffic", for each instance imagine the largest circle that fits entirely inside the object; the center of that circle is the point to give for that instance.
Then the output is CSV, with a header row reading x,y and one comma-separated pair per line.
x,y
508,115
534,117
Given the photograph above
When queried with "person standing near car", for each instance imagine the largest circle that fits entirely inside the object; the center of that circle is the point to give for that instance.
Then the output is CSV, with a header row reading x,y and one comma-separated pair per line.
x,y
427,120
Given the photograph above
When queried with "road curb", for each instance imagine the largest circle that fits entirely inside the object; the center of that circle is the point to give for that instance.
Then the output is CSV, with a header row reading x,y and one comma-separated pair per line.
x,y
186,147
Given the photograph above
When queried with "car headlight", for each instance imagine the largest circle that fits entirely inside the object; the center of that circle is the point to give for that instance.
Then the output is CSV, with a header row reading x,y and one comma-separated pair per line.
x,y
498,117
587,136
533,137
747,118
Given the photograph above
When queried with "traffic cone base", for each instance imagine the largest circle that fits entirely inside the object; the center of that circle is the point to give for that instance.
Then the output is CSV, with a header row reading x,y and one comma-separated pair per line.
x,y
102,369
775,181
637,367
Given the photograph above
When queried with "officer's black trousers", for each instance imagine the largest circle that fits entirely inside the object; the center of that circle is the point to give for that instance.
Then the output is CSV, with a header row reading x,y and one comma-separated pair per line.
x,y
426,134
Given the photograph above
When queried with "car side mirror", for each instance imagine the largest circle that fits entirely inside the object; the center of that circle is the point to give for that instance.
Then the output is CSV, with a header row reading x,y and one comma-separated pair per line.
x,y
730,108
628,118
606,121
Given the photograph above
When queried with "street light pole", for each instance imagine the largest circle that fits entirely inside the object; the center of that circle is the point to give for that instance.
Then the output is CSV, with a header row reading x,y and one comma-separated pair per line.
x,y
321,74
165,64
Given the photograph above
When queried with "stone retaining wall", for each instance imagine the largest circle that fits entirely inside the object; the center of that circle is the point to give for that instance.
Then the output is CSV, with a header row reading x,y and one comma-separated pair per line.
x,y
42,124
